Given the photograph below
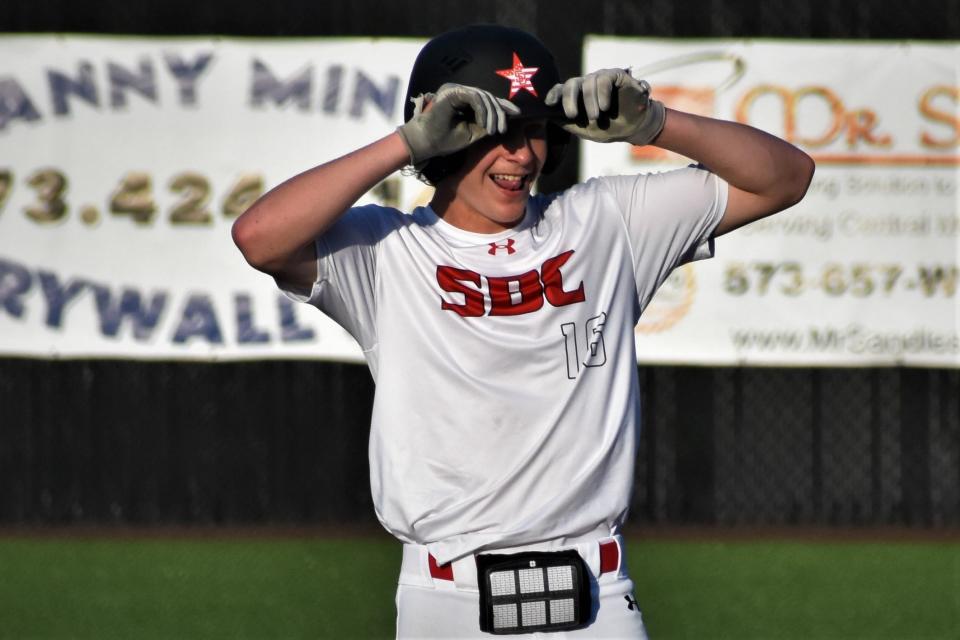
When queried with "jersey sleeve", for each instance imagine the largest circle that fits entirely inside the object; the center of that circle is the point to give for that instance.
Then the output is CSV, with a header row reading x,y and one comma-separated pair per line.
x,y
345,288
669,218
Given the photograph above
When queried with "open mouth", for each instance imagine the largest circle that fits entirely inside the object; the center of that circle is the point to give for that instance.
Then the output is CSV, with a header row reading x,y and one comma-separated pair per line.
x,y
511,181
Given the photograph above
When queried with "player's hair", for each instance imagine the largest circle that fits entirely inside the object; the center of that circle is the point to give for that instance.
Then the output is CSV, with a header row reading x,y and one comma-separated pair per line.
x,y
472,56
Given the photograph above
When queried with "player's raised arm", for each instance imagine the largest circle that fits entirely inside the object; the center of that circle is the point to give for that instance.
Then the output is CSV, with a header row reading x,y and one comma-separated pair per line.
x,y
765,174
276,233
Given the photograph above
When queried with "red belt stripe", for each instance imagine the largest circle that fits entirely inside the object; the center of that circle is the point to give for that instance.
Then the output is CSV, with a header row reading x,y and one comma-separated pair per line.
x,y
444,572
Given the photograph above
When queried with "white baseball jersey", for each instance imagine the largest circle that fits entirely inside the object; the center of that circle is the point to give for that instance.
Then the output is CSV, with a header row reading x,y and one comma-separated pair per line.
x,y
507,407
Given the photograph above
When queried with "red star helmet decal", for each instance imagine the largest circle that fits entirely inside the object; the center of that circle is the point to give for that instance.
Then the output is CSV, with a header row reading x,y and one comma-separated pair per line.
x,y
519,77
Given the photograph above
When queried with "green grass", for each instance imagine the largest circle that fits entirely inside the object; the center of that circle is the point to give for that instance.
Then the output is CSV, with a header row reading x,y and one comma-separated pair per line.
x,y
867,591
181,589
140,589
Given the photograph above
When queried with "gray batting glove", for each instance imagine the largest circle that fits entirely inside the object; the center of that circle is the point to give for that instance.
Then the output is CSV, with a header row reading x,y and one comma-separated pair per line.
x,y
453,118
616,107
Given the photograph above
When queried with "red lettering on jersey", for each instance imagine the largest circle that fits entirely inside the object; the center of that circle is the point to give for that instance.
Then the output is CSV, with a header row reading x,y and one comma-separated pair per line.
x,y
553,282
452,280
508,245
530,290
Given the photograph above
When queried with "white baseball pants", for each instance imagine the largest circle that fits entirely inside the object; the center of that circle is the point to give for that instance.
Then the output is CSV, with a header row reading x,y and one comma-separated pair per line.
x,y
438,607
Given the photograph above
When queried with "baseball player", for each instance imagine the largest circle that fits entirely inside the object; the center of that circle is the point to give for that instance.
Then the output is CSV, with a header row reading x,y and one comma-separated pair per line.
x,y
498,324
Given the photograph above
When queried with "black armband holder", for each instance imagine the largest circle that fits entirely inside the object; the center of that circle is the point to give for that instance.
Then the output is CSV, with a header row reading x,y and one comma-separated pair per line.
x,y
536,591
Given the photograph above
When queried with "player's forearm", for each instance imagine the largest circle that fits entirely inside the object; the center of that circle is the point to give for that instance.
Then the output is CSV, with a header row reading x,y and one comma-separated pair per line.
x,y
745,157
287,218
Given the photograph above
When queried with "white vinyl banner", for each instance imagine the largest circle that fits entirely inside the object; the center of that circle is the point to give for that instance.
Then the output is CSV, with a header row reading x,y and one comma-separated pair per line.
x,y
864,271
123,163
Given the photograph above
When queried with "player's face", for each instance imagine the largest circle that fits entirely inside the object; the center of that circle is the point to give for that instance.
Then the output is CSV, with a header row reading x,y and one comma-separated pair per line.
x,y
489,193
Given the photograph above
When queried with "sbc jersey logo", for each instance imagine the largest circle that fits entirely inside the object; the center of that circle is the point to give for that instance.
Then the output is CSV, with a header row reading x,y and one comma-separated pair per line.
x,y
510,295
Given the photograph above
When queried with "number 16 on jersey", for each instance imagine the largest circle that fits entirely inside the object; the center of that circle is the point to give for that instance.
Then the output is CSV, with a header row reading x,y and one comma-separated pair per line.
x,y
593,355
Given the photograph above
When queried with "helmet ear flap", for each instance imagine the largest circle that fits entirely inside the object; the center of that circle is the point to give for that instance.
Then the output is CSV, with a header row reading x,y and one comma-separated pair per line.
x,y
557,140
436,169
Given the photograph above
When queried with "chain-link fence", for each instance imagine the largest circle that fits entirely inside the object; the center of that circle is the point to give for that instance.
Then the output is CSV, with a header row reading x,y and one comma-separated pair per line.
x,y
798,446
112,441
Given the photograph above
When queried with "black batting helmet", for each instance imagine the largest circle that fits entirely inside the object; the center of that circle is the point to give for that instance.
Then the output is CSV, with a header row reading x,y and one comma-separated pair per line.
x,y
507,62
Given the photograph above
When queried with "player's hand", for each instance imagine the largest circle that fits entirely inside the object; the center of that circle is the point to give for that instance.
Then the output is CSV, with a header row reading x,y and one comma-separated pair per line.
x,y
609,106
453,118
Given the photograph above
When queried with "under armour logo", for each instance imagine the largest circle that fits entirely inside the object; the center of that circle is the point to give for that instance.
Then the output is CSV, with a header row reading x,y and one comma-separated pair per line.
x,y
631,603
508,245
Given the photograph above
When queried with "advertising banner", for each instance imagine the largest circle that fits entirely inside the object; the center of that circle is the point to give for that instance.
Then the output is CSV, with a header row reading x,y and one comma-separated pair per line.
x,y
864,270
123,163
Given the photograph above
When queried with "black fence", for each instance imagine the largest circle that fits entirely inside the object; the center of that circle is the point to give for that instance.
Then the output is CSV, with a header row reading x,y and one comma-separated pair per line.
x,y
286,442
105,441
847,447
116,441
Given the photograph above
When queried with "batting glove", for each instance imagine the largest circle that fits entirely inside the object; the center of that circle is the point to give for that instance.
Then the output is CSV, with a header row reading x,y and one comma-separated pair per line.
x,y
615,107
452,119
